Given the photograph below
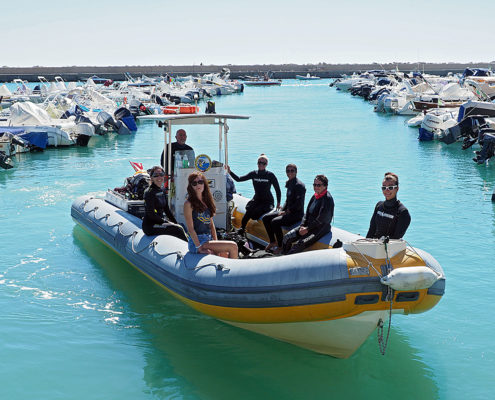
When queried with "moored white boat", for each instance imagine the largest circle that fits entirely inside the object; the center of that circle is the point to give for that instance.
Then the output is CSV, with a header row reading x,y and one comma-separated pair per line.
x,y
268,82
307,77
436,122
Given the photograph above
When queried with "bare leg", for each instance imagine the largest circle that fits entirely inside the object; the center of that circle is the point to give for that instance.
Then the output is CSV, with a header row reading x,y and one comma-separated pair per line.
x,y
222,246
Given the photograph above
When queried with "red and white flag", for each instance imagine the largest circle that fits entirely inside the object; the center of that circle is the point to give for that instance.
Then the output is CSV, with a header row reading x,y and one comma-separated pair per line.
x,y
137,166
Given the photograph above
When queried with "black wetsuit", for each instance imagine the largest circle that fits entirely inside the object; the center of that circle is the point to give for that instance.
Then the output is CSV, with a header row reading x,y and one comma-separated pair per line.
x,y
319,215
262,202
175,147
294,211
390,218
154,223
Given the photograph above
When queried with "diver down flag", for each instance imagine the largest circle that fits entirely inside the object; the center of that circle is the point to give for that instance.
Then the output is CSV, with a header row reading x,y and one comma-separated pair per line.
x,y
137,166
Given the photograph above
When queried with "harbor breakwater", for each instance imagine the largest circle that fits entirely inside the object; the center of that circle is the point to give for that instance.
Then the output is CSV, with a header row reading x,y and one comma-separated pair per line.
x,y
280,71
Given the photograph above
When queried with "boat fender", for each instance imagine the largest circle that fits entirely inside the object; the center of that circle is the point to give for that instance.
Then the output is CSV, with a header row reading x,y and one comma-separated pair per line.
x,y
410,278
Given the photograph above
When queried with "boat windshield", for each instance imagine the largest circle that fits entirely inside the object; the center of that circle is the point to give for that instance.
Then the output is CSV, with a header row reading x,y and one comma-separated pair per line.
x,y
185,155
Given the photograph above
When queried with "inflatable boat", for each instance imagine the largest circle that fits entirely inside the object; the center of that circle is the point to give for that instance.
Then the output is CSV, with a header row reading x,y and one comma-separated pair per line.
x,y
326,299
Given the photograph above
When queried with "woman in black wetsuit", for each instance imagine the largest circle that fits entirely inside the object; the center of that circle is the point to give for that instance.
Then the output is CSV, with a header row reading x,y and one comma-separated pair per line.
x,y
156,205
315,223
262,202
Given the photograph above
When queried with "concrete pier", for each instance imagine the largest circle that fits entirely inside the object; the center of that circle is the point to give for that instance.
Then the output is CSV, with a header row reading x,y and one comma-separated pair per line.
x,y
280,71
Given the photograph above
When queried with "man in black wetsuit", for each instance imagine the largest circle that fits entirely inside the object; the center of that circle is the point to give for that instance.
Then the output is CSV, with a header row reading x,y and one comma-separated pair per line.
x,y
180,144
290,214
262,202
390,218
315,223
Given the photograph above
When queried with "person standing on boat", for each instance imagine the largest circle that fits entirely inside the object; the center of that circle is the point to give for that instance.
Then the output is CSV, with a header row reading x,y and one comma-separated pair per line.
x,y
390,218
156,208
292,211
315,223
180,144
199,209
262,202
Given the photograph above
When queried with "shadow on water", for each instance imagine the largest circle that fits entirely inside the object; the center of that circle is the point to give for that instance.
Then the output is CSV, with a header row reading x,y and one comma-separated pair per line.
x,y
6,175
210,360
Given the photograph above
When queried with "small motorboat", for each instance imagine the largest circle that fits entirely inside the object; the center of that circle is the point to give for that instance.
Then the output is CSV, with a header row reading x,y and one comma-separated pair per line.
x,y
61,132
307,77
262,80
268,82
327,299
436,122
100,81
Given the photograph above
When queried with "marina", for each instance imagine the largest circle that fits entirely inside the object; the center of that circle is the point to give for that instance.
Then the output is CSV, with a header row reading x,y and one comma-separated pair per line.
x,y
454,108
68,297
57,114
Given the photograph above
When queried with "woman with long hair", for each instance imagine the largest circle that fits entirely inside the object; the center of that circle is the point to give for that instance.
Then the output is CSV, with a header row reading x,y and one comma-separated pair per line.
x,y
199,210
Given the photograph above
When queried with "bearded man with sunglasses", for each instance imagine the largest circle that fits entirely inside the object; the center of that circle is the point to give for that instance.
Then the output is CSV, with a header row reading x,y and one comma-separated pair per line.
x,y
390,218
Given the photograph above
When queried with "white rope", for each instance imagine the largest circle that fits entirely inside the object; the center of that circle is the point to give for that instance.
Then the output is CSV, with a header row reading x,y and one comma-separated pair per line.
x,y
370,264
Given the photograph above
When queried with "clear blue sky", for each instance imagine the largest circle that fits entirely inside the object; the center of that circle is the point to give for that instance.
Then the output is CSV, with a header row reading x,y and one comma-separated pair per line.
x,y
163,32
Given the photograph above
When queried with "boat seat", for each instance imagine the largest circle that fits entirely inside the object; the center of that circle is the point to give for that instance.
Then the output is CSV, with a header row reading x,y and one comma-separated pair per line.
x,y
286,228
323,243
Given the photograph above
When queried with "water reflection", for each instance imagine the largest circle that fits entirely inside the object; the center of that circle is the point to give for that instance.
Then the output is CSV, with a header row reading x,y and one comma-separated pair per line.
x,y
63,157
200,357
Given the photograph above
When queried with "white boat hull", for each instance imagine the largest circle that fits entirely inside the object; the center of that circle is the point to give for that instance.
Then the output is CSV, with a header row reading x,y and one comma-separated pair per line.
x,y
339,338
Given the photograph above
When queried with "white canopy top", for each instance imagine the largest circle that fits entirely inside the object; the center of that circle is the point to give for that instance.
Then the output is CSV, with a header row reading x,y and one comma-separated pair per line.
x,y
192,119
195,119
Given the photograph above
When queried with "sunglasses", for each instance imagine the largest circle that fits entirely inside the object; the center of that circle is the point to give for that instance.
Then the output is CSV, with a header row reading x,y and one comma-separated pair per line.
x,y
317,184
290,170
262,162
157,174
200,182
392,187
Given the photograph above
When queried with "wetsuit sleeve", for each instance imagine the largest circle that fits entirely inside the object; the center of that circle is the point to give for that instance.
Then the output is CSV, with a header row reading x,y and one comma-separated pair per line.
x,y
275,184
296,204
403,221
151,208
242,178
169,214
372,228
325,214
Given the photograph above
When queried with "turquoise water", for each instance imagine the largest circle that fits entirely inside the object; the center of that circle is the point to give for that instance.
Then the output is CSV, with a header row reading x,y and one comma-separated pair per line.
x,y
78,322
